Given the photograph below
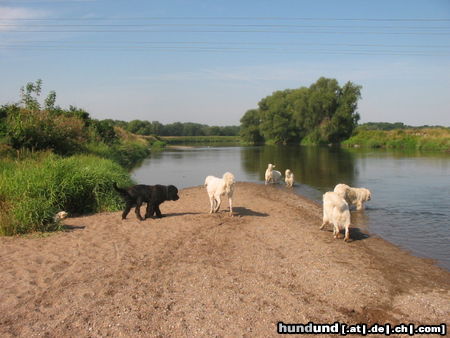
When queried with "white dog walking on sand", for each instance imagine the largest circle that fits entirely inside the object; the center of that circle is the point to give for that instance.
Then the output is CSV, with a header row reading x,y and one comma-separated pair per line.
x,y
289,178
353,196
272,176
218,187
336,212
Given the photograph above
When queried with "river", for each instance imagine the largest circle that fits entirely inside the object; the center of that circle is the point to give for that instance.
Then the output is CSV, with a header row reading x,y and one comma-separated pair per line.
x,y
410,204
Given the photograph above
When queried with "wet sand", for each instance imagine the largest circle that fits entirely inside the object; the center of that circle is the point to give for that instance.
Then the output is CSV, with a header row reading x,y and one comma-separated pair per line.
x,y
196,274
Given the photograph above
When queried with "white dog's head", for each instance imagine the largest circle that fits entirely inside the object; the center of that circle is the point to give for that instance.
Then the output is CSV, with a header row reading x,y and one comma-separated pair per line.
x,y
60,216
287,173
271,166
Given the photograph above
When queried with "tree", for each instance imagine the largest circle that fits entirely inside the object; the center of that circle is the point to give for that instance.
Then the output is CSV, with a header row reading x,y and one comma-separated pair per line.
x,y
249,130
322,113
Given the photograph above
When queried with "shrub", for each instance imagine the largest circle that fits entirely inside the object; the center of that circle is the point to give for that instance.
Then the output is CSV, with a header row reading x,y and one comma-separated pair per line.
x,y
40,130
33,191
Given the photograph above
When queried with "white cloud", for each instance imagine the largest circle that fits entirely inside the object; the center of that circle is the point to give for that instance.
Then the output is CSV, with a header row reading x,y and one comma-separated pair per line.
x,y
12,16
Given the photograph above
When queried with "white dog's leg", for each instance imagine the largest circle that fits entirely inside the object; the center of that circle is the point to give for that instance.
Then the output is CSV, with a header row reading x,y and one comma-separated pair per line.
x,y
359,206
218,201
323,225
230,203
347,233
212,202
336,232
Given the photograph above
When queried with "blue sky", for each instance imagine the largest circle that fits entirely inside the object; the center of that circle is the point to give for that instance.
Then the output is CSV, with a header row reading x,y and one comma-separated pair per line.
x,y
210,61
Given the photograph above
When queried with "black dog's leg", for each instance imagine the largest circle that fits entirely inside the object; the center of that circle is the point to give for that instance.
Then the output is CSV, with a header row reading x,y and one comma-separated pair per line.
x,y
150,210
126,211
158,212
137,210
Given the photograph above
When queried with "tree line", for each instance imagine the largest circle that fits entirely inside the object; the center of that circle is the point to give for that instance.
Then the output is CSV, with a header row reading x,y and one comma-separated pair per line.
x,y
35,125
142,127
321,113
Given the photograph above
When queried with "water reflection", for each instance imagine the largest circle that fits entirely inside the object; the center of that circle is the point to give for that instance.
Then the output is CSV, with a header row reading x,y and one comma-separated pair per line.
x,y
320,167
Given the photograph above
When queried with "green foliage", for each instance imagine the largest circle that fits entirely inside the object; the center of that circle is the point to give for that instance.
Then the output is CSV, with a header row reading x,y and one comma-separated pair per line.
x,y
382,126
40,130
32,191
104,131
127,153
322,113
250,132
437,139
148,128
200,139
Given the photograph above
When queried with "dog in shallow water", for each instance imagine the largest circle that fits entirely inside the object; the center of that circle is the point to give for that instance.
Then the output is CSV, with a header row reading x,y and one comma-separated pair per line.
x,y
153,195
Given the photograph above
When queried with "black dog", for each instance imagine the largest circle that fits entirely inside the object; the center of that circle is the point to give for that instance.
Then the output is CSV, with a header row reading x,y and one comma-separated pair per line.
x,y
153,195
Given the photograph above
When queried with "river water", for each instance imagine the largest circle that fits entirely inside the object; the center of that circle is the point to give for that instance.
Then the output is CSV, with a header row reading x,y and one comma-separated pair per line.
x,y
410,204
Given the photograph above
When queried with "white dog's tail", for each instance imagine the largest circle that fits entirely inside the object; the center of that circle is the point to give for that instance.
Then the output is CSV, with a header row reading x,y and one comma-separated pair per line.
x,y
228,179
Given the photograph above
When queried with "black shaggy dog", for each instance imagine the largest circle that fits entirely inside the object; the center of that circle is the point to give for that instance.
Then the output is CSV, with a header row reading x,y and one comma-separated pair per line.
x,y
153,195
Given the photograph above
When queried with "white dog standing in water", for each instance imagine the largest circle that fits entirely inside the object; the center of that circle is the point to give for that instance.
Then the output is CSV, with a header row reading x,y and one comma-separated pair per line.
x,y
336,213
289,178
353,196
218,187
272,176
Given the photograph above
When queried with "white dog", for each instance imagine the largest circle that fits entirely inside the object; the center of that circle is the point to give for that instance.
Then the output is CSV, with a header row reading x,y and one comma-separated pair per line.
x,y
272,176
289,178
60,216
353,196
218,187
336,212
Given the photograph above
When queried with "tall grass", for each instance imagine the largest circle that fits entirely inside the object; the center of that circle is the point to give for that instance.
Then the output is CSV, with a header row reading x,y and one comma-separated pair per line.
x,y
437,139
32,190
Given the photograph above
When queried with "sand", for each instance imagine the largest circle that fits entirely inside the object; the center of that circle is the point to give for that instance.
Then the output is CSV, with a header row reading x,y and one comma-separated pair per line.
x,y
197,274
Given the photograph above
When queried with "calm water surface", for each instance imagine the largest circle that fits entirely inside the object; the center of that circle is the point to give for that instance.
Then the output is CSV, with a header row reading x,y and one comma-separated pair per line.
x,y
410,203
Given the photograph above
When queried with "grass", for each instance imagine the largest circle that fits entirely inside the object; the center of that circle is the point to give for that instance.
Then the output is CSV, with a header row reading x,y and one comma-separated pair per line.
x,y
33,190
433,139
127,153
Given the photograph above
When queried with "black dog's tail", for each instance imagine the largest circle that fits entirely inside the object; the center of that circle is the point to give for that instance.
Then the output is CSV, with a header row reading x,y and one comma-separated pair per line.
x,y
121,191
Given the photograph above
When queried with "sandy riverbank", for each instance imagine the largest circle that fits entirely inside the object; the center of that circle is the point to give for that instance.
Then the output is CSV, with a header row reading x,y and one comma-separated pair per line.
x,y
192,273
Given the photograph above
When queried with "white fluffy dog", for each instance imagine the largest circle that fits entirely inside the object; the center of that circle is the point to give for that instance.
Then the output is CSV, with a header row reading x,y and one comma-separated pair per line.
x,y
218,187
289,178
336,212
353,196
272,176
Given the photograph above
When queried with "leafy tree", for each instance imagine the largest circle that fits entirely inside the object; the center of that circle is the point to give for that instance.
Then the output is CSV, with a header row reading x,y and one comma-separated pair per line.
x,y
249,131
321,113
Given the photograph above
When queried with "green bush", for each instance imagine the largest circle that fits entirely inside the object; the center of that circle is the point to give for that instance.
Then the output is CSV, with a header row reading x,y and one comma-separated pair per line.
x,y
127,153
33,191
41,130
437,139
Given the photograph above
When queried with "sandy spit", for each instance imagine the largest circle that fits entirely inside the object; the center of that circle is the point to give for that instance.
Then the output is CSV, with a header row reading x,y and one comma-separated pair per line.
x,y
196,274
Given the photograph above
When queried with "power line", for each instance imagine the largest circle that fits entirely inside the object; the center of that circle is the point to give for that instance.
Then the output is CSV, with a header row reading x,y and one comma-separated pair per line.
x,y
218,31
226,50
237,18
248,43
221,25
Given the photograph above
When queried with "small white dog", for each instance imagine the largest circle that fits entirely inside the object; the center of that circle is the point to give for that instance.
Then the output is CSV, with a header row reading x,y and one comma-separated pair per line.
x,y
60,216
336,212
218,187
272,176
353,196
289,178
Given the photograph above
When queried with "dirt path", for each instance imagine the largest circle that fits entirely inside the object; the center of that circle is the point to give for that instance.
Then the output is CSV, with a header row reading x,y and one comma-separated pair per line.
x,y
195,274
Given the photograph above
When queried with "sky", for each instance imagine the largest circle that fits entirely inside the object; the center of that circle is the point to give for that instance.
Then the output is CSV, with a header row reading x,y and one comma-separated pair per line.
x,y
211,61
